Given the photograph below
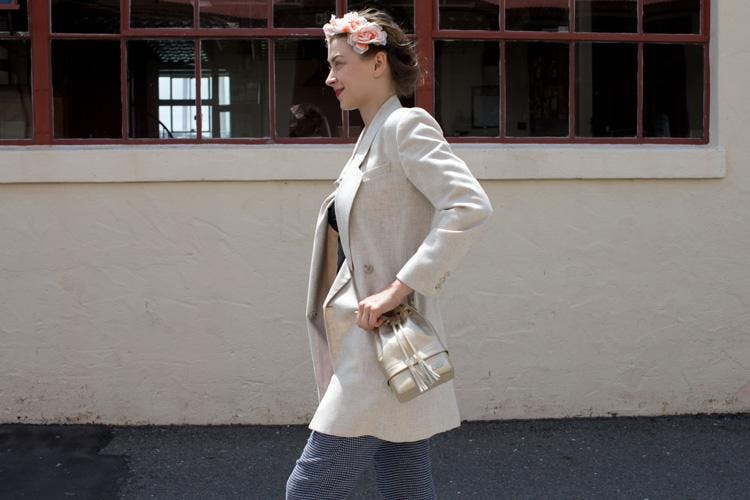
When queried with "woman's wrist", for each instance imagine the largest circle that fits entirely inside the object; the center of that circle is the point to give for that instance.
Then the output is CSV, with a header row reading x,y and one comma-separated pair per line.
x,y
400,289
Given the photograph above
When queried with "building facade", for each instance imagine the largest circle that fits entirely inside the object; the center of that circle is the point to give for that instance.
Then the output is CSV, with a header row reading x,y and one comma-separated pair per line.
x,y
157,207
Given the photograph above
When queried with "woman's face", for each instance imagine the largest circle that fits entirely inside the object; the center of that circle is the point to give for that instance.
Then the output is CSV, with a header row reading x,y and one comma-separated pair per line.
x,y
352,77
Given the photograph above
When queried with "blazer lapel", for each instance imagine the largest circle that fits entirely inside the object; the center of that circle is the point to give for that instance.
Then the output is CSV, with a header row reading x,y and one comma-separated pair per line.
x,y
351,175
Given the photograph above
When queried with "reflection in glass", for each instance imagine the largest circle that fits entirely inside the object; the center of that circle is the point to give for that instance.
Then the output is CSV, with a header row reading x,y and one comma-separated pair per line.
x,y
86,89
160,14
16,20
237,92
612,16
469,15
467,87
234,14
606,89
302,13
671,16
401,12
672,90
536,15
305,105
16,113
100,16
161,88
536,89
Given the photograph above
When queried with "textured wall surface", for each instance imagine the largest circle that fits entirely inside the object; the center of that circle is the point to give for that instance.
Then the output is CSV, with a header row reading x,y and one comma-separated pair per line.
x,y
183,302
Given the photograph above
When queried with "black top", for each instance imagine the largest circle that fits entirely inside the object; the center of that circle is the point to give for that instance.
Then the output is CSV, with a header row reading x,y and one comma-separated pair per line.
x,y
334,225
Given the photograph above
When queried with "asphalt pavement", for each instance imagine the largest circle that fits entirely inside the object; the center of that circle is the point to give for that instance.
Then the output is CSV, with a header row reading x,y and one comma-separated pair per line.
x,y
674,457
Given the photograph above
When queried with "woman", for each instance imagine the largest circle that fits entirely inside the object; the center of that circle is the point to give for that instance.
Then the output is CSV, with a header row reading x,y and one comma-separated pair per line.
x,y
406,210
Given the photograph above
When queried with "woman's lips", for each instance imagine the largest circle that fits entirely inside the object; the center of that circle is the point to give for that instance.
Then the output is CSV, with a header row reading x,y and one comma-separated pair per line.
x,y
338,92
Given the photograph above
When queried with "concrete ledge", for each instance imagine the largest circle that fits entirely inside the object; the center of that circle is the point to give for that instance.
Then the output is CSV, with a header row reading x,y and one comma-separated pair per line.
x,y
222,162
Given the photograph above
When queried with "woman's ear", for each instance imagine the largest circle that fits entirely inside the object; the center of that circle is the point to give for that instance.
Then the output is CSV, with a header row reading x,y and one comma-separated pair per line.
x,y
381,63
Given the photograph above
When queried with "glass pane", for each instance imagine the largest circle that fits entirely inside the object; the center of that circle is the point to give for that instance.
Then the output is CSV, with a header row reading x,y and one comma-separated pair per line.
x,y
671,16
302,13
536,89
100,16
612,16
16,113
606,89
234,14
160,14
672,90
536,15
86,88
158,69
238,69
305,105
467,87
13,21
401,12
469,15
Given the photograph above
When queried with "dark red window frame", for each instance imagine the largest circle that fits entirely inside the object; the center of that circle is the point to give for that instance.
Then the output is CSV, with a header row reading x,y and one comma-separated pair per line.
x,y
426,32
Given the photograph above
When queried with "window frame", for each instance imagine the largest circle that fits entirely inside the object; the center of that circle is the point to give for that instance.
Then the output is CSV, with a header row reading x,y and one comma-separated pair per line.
x,y
426,32
572,37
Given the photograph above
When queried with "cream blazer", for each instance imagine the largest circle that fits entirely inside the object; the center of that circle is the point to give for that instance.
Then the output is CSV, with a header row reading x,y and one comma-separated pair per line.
x,y
407,207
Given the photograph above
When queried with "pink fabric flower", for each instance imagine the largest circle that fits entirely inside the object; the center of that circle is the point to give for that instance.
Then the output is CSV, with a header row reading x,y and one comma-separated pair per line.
x,y
364,36
361,32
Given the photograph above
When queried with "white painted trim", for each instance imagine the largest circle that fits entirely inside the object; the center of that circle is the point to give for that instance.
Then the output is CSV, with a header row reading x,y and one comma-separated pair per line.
x,y
223,162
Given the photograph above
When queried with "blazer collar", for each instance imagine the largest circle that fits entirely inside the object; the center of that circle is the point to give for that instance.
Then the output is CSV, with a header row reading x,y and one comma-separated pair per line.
x,y
368,134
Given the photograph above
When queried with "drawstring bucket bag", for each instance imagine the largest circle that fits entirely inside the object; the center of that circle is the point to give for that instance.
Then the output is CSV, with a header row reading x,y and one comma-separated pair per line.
x,y
411,355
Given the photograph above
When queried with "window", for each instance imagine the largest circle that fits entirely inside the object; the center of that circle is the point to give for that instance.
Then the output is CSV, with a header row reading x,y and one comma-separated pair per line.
x,y
253,71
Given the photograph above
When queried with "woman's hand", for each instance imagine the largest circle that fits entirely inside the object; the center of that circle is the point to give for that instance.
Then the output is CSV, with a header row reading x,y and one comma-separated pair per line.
x,y
372,307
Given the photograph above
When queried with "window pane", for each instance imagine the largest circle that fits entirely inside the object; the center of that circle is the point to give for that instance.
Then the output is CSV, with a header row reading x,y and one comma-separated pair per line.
x,y
672,90
158,69
100,16
536,89
86,88
469,15
305,105
671,16
467,87
401,12
613,16
303,13
606,89
536,15
13,21
160,14
236,73
15,90
234,14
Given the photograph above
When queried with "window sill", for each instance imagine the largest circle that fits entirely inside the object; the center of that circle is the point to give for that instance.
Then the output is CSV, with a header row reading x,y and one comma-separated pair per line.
x,y
222,162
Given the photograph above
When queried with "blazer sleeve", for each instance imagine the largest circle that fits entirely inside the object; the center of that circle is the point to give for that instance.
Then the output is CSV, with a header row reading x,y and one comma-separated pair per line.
x,y
445,180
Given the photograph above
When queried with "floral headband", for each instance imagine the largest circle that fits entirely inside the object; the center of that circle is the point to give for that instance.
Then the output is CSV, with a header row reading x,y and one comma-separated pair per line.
x,y
362,32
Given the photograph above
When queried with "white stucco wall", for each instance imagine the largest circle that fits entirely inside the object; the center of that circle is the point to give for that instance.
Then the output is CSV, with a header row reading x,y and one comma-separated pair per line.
x,y
612,280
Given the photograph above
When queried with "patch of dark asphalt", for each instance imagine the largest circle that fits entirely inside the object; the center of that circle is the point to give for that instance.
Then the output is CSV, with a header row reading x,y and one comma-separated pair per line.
x,y
686,457
58,461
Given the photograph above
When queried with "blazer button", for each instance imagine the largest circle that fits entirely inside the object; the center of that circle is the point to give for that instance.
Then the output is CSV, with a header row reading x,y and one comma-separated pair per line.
x,y
368,269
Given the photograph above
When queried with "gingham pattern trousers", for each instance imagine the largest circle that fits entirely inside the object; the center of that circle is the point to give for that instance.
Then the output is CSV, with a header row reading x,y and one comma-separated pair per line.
x,y
330,466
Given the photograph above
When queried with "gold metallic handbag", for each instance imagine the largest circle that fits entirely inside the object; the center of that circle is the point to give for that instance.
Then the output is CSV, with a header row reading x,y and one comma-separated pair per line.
x,y
410,353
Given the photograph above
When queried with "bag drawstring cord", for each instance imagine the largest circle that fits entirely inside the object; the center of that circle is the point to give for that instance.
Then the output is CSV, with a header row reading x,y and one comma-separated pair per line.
x,y
421,377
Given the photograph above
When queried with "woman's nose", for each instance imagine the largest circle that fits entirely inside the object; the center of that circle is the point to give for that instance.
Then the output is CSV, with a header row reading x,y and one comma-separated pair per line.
x,y
330,79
